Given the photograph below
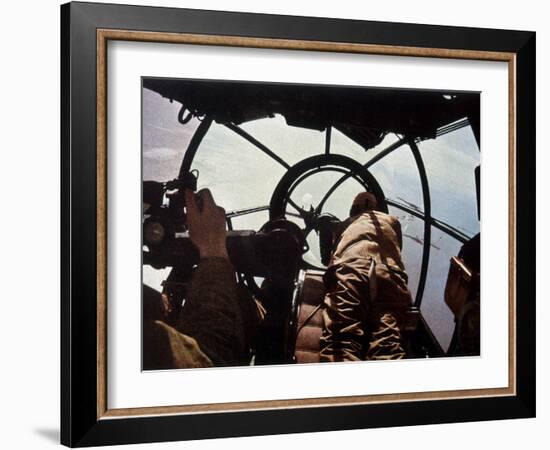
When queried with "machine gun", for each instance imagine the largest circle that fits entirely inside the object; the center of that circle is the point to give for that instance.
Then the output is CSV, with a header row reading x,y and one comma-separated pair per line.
x,y
163,212
273,252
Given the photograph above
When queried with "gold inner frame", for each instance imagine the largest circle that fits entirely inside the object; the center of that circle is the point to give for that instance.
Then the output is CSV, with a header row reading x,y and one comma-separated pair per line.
x,y
104,35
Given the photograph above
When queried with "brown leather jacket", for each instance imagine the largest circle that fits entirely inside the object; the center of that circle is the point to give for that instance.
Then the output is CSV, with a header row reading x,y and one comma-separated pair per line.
x,y
354,307
211,330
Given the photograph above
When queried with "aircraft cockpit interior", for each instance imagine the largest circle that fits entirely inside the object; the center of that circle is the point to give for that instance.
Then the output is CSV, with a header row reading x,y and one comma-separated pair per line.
x,y
285,161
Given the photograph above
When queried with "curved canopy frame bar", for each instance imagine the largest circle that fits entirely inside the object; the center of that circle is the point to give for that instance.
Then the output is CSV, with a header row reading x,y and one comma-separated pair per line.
x,y
427,219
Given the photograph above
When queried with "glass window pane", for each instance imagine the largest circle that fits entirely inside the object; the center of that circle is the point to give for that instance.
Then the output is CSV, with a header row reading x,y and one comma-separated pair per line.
x,y
388,140
164,143
437,314
238,173
164,138
292,144
343,145
412,229
252,221
450,161
310,192
398,177
339,203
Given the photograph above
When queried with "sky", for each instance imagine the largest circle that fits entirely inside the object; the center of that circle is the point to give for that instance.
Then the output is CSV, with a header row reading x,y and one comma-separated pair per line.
x,y
241,176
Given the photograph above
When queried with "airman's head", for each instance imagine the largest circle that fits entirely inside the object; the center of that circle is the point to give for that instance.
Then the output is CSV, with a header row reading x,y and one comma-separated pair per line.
x,y
363,202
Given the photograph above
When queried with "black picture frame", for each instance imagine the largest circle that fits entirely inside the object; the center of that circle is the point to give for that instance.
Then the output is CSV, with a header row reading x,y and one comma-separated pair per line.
x,y
81,424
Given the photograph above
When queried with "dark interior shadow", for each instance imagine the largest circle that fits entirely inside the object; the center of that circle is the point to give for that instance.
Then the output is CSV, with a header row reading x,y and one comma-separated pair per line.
x,y
51,434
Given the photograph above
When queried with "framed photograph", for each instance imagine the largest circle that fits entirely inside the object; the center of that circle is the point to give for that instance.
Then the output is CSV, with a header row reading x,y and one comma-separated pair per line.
x,y
278,224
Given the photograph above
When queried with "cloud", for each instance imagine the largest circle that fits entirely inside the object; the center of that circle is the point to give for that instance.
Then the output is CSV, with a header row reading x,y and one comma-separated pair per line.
x,y
160,153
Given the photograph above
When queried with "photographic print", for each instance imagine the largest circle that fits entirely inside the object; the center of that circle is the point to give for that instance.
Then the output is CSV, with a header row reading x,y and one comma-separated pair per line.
x,y
293,223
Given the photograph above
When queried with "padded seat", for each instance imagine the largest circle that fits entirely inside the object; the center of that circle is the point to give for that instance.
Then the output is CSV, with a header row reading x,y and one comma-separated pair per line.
x,y
309,298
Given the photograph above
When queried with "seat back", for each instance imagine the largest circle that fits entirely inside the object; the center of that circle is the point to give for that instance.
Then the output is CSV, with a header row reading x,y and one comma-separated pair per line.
x,y
308,316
